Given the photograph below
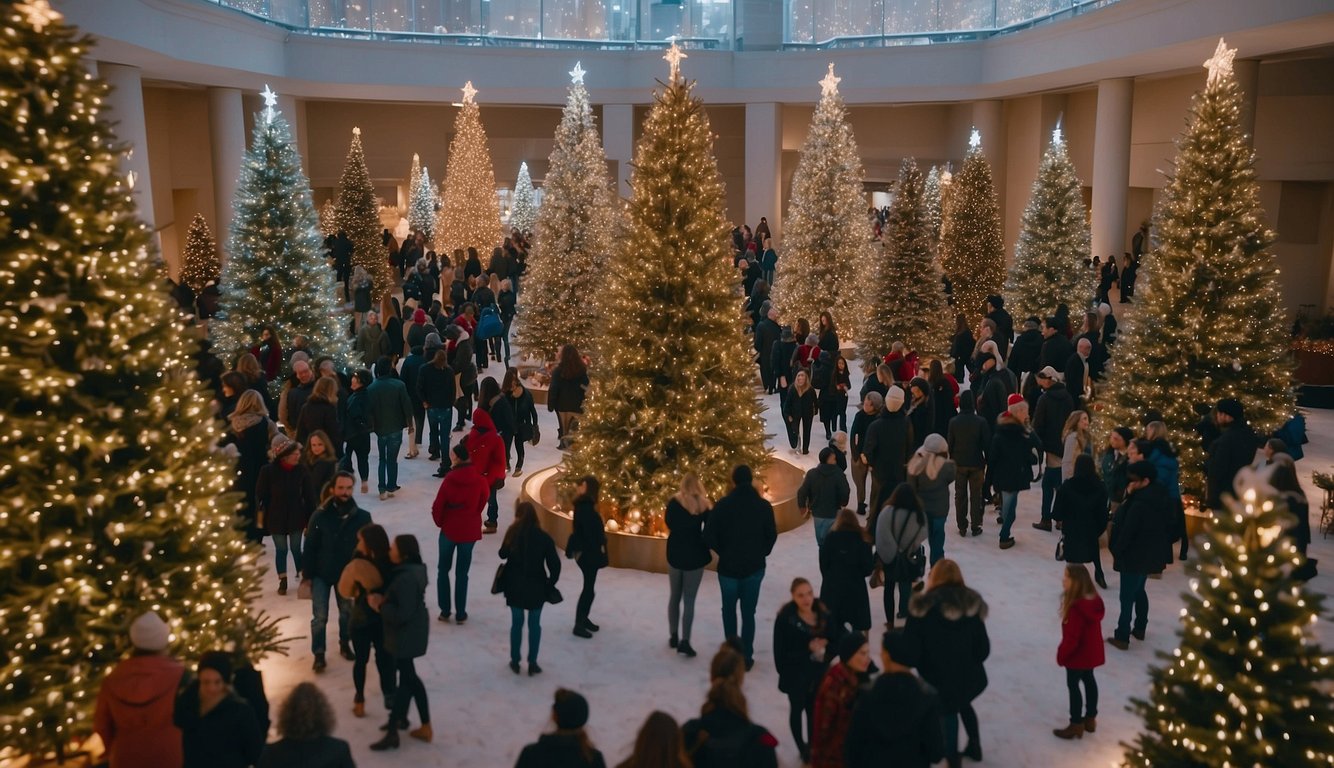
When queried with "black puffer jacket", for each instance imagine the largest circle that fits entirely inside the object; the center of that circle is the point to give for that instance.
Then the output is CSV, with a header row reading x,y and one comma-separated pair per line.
x,y
895,723
1054,407
1141,539
948,640
1014,450
406,623
1081,508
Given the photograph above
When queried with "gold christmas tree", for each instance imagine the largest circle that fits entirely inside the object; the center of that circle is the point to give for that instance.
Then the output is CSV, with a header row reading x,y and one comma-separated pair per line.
x,y
199,263
469,211
971,250
357,213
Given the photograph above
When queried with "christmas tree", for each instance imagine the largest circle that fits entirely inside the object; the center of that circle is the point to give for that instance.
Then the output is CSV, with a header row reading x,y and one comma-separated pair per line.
x,y
971,250
933,202
200,264
328,218
907,295
574,236
523,212
421,208
116,502
1247,683
1050,258
674,359
469,211
414,179
357,213
1212,320
276,272
827,247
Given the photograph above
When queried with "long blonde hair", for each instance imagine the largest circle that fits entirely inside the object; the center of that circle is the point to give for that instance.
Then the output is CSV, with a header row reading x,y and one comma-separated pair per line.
x,y
692,495
1081,586
1072,425
797,386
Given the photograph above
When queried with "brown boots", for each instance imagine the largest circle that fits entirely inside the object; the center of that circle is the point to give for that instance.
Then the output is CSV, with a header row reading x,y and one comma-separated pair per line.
x,y
423,733
1071,731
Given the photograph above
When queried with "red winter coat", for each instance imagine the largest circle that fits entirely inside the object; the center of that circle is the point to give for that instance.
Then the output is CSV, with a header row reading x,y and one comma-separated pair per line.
x,y
1081,635
833,715
904,368
485,448
134,713
457,510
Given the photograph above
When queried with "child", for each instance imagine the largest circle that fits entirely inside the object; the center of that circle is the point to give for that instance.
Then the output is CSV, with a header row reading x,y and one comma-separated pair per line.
x,y
1081,649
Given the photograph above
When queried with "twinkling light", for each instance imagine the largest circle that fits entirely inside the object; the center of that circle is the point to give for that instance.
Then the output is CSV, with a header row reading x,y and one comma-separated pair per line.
x,y
422,202
357,213
971,250
523,209
199,262
469,211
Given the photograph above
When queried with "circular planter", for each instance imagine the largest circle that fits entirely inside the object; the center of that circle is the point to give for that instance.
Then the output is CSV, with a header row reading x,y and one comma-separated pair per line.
x,y
649,553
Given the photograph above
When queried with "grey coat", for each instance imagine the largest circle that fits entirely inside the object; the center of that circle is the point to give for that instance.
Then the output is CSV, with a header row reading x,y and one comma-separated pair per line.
x,y
935,494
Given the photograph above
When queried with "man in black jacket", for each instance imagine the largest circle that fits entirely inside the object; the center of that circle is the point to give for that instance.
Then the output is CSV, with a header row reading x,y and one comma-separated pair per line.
x,y
1140,545
1235,448
1054,406
1027,349
968,437
1056,347
872,404
742,530
1004,323
886,450
898,721
331,538
823,493
767,333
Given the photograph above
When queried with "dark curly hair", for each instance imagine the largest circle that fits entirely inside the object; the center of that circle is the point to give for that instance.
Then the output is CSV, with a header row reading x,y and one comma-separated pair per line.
x,y
306,714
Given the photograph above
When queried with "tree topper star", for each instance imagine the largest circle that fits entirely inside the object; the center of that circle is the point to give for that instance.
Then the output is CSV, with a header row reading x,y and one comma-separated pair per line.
x,y
673,58
829,85
38,13
975,139
1220,65
577,74
468,92
1056,137
270,101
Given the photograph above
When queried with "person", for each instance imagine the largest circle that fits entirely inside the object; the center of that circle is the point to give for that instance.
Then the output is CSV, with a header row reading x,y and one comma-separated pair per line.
x,y
525,416
872,404
659,744
780,359
944,396
687,555
565,396
994,384
357,428
835,698
767,335
487,451
899,716
1053,409
409,371
1139,244
296,392
390,414
930,472
1112,466
321,466
967,438
402,608
1075,441
492,399
1081,650
961,345
269,352
723,736
948,643
331,538
1156,449
362,288
1056,346
508,301
1077,372
1027,349
1283,480
823,492
135,704
435,389
532,569
921,413
886,448
367,573
249,430
834,397
1081,510
283,500
569,746
803,632
457,512
218,727
306,724
997,314
1140,545
1129,271
742,530
846,560
1014,452
900,530
1233,450
587,546
372,342
902,361
799,410
460,349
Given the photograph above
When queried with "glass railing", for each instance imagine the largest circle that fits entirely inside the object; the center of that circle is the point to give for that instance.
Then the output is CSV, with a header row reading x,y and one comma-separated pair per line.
x,y
629,23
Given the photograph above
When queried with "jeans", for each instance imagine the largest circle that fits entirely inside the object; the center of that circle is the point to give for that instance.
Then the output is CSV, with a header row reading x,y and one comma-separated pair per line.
x,y
319,607
905,592
968,496
505,337
586,595
364,638
935,536
518,454
410,688
1078,712
282,542
1133,599
747,590
1009,503
438,419
822,527
492,508
1051,480
516,633
388,465
447,550
361,448
685,585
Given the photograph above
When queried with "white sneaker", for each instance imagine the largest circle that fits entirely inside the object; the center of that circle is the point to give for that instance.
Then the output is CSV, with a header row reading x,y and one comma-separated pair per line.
x,y
365,488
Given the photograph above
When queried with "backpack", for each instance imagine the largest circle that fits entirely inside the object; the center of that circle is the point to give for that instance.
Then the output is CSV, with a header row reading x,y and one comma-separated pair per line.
x,y
739,748
489,325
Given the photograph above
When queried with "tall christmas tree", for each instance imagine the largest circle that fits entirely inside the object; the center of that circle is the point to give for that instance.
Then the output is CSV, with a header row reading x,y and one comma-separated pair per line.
x,y
907,296
932,195
328,218
414,179
116,502
421,209
971,250
357,213
1211,321
469,211
523,210
827,248
573,236
1050,258
199,263
276,271
674,357
1247,683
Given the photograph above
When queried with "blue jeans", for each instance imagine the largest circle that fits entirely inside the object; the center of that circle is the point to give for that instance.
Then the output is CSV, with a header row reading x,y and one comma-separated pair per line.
x,y
1133,599
935,536
1051,480
438,419
282,542
822,527
1009,504
388,467
492,508
516,633
447,550
319,605
747,591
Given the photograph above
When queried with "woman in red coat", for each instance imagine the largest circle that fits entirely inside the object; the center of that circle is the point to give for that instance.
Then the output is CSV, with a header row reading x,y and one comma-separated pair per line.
x,y
837,694
1081,649
457,512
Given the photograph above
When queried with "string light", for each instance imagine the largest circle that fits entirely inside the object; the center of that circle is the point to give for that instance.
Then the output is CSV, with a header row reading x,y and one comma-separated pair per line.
x,y
971,250
357,214
523,211
422,201
199,263
469,210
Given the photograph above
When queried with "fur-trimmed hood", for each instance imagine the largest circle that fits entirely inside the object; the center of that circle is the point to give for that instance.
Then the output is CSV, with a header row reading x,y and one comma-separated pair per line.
x,y
954,602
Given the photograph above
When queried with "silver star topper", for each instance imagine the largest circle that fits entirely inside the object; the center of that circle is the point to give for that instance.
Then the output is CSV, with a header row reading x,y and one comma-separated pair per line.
x,y
270,101
673,58
1220,65
975,139
468,92
829,85
577,74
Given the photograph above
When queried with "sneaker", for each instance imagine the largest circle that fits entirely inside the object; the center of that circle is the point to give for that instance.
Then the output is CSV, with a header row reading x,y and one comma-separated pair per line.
x,y
383,495
1006,543
977,530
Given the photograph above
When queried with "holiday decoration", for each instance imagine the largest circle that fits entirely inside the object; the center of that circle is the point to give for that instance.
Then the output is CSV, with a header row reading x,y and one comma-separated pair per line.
x,y
673,390
116,502
421,209
1212,323
573,237
414,179
907,296
523,212
357,213
276,272
199,263
827,249
328,218
971,250
1051,258
469,211
1247,684
932,197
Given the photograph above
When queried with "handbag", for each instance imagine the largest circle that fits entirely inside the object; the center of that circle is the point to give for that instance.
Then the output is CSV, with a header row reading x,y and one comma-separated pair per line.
x,y
304,590
498,581
1060,550
489,325
537,434
878,574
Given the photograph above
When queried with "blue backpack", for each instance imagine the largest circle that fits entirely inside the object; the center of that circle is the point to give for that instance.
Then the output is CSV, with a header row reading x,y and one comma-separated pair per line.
x,y
489,325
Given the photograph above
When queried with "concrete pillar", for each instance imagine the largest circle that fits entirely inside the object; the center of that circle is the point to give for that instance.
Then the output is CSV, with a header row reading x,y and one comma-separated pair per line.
x,y
126,110
227,127
764,156
1247,72
618,140
1111,166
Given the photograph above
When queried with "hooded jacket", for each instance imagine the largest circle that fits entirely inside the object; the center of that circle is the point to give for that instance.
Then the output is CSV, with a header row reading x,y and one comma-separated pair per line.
x,y
896,723
486,449
1082,646
458,505
403,611
134,712
824,491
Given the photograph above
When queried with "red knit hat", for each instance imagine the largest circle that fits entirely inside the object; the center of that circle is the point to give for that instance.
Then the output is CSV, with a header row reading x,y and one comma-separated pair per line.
x,y
1014,400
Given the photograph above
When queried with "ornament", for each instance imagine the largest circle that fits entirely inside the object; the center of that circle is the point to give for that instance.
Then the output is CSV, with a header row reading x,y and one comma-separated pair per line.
x,y
975,139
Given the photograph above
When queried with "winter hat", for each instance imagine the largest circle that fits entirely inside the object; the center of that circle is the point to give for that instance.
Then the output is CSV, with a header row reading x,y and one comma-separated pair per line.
x,y
841,441
1049,372
219,662
1142,470
570,710
419,317
894,399
1229,406
849,644
1014,399
786,334
150,633
935,443
281,446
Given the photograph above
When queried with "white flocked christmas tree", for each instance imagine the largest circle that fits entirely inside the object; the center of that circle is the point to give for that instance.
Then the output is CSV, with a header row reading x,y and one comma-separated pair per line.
x,y
523,206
